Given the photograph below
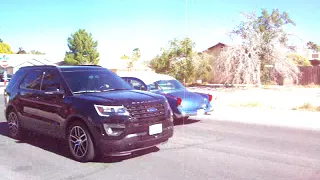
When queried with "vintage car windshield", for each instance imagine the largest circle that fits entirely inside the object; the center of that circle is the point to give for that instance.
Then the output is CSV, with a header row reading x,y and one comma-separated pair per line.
x,y
94,81
166,85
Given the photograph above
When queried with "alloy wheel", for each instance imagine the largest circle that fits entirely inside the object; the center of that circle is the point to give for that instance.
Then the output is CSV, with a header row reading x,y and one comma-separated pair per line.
x,y
78,141
13,124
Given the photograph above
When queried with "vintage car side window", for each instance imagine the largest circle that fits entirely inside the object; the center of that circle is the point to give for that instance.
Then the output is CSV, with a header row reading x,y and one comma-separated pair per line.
x,y
32,80
136,84
51,81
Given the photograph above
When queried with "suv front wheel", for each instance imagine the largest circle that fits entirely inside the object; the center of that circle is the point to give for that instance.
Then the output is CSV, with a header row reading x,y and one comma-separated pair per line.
x,y
80,142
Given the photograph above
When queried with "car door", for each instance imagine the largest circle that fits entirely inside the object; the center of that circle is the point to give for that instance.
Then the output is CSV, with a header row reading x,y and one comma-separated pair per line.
x,y
29,92
52,107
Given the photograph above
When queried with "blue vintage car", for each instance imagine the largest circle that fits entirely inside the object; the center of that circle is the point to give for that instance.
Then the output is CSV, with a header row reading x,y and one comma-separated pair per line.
x,y
183,102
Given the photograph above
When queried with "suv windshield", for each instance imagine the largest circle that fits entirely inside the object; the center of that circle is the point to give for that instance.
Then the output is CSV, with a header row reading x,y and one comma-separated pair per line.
x,y
94,81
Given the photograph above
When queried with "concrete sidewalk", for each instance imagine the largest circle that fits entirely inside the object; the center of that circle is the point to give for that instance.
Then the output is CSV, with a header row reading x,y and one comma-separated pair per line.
x,y
282,118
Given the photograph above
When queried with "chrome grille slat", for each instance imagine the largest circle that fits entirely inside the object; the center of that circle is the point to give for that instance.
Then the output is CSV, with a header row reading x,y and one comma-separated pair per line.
x,y
138,110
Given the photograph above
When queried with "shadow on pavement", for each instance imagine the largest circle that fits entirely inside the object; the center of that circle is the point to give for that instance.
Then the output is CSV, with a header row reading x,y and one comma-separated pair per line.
x,y
60,147
185,122
115,159
45,142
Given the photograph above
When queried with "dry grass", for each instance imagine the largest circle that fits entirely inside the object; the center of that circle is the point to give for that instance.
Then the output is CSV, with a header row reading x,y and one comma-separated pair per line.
x,y
307,107
249,104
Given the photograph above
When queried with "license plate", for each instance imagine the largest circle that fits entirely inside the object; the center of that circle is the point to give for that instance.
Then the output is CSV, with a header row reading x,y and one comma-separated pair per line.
x,y
200,112
155,129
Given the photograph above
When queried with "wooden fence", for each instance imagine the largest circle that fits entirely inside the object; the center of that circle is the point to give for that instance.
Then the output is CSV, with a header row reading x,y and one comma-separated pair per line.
x,y
310,75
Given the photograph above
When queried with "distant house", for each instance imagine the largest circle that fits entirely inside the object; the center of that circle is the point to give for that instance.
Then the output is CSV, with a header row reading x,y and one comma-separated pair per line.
x,y
15,61
216,49
314,57
120,65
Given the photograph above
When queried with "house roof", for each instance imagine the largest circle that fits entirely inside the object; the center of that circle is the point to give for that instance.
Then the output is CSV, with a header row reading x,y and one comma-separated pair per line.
x,y
17,60
217,45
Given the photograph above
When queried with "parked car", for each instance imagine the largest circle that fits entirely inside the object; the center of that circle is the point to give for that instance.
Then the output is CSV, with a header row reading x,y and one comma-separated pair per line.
x,y
9,76
183,102
90,107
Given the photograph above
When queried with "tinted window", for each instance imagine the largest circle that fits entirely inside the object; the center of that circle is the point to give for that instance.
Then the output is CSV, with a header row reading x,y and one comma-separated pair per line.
x,y
94,81
51,81
32,80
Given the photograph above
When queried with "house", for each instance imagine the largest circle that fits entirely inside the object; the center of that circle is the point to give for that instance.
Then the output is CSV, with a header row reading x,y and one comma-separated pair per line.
x,y
122,66
15,61
119,65
314,57
216,49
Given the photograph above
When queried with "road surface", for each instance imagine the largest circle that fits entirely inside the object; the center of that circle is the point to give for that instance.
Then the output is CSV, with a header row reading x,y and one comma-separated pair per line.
x,y
202,149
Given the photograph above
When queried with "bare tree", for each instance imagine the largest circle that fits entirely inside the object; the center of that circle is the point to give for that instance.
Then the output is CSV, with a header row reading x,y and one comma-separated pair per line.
x,y
244,63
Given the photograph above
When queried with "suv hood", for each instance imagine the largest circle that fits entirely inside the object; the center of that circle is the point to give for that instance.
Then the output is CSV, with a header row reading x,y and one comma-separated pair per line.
x,y
122,96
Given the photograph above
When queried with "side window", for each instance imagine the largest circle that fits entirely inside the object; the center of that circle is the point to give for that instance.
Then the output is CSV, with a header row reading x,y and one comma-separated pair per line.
x,y
32,80
153,87
51,82
136,84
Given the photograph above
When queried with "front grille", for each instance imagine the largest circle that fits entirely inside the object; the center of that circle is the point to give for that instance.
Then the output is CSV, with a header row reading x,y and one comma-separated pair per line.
x,y
139,110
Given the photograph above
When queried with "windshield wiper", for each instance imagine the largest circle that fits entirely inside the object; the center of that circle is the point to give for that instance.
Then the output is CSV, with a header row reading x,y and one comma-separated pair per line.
x,y
88,91
114,89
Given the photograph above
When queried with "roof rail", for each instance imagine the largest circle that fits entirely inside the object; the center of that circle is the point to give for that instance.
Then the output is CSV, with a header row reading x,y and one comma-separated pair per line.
x,y
88,65
38,66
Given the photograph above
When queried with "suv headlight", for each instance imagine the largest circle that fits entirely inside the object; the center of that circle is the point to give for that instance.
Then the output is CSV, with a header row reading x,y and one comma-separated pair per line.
x,y
111,110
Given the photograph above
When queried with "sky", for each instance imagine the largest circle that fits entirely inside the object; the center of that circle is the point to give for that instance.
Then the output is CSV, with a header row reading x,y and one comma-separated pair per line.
x,y
120,26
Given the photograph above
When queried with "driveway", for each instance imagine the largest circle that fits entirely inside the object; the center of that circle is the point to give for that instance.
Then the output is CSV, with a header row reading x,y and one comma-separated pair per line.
x,y
205,148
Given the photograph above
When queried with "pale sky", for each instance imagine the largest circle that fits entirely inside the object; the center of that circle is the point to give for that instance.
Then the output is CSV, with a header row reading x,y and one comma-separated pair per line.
x,y
122,25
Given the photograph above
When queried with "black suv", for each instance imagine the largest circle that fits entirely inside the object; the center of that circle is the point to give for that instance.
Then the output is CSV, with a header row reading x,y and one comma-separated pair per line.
x,y
90,107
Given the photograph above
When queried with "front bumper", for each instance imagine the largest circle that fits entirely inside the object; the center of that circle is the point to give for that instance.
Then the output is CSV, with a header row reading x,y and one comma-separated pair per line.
x,y
134,142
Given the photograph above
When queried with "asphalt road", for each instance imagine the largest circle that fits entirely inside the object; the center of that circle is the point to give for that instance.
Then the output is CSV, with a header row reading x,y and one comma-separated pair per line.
x,y
202,149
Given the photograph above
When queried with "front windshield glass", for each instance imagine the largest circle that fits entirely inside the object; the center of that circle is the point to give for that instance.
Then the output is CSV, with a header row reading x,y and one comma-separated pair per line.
x,y
94,81
166,85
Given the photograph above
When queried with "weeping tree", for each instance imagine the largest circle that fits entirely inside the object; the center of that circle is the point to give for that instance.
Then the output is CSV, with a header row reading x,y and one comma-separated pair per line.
x,y
263,42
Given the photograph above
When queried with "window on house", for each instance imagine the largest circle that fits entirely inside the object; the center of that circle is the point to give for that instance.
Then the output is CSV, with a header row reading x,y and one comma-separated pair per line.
x,y
315,56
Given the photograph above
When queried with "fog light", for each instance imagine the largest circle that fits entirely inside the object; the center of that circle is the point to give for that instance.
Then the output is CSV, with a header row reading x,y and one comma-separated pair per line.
x,y
114,129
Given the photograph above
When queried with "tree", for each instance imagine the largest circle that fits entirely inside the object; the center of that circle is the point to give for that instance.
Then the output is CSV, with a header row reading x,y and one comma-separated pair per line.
x,y
176,60
313,46
82,49
202,66
299,60
1,41
263,42
133,59
21,51
36,52
5,48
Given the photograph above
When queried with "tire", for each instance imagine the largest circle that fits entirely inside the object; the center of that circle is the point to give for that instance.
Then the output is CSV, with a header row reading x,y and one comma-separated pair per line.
x,y
15,130
80,142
